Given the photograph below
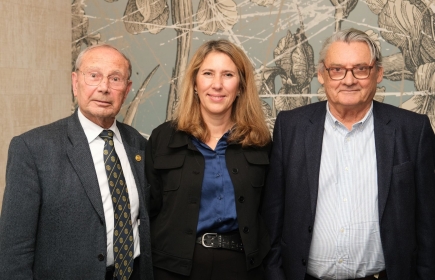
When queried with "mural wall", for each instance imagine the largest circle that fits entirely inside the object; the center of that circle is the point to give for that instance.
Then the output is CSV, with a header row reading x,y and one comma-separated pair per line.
x,y
281,37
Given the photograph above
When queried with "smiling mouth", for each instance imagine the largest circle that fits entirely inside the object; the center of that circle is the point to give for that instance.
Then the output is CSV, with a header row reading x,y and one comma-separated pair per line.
x,y
216,97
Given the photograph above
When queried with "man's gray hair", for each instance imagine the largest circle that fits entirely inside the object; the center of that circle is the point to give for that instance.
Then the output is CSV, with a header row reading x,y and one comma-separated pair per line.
x,y
104,45
349,36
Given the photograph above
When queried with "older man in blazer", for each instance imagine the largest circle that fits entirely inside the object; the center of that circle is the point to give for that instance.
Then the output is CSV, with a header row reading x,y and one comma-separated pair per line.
x,y
59,218
351,188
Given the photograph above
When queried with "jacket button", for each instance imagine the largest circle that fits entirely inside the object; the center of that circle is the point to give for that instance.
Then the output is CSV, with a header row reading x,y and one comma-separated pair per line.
x,y
304,262
101,257
241,199
246,230
235,170
252,261
310,229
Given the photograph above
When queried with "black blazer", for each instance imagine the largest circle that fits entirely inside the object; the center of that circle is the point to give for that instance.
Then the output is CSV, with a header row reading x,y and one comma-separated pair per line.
x,y
52,224
405,154
175,170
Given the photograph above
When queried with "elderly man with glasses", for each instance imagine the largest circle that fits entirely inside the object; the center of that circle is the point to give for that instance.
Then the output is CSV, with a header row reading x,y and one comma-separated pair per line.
x,y
76,190
351,188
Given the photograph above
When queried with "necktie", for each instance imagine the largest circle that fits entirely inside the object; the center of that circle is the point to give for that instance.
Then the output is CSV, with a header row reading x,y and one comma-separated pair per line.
x,y
122,231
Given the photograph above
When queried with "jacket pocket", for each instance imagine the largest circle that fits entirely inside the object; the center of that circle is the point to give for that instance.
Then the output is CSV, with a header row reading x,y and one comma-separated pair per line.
x,y
170,169
257,162
403,167
403,177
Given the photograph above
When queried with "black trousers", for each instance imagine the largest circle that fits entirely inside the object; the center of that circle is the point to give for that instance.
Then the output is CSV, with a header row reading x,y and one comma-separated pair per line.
x,y
214,264
134,276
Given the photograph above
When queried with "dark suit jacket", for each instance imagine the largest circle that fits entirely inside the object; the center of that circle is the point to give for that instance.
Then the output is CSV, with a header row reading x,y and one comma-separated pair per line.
x,y
175,170
405,154
52,224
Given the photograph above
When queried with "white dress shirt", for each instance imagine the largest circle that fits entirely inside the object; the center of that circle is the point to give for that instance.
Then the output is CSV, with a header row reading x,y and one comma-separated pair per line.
x,y
346,240
96,144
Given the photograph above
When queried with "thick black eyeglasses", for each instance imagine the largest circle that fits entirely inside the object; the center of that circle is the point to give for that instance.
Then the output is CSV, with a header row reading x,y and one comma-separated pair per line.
x,y
359,72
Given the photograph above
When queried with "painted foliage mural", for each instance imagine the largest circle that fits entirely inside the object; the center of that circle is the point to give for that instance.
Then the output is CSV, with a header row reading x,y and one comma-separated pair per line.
x,y
281,37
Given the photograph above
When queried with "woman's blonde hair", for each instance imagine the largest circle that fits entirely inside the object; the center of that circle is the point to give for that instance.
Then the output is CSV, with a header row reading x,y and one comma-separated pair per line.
x,y
250,127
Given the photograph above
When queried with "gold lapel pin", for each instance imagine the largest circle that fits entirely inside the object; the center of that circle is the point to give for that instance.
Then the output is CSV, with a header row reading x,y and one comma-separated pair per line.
x,y
138,158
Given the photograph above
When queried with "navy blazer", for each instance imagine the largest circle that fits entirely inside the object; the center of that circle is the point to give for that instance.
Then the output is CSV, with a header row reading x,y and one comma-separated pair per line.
x,y
52,224
405,154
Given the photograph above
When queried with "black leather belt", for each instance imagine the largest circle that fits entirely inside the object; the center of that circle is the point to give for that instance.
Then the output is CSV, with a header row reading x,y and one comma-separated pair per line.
x,y
231,241
380,275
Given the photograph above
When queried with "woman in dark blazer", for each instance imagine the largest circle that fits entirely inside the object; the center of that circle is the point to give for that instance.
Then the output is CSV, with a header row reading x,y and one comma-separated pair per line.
x,y
207,170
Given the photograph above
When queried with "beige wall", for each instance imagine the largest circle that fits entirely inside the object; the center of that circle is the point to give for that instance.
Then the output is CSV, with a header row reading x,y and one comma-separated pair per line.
x,y
35,59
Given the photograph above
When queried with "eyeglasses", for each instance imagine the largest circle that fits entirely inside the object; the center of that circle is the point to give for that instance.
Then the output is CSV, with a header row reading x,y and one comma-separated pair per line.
x,y
359,72
94,78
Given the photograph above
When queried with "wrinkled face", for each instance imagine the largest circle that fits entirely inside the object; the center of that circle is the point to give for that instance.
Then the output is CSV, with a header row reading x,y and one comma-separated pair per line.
x,y
349,93
217,84
101,103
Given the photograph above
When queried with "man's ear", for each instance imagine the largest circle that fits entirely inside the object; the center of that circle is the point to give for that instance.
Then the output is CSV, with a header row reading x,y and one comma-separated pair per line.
x,y
74,82
380,74
127,90
320,76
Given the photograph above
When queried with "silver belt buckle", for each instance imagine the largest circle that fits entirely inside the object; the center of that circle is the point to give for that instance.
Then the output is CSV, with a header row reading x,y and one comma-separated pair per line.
x,y
202,239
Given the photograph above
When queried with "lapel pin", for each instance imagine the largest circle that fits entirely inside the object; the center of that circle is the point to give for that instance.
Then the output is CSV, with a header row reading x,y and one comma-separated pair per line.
x,y
138,158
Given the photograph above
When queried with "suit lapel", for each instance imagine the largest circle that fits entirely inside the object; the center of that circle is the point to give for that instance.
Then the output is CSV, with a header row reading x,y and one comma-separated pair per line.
x,y
81,160
313,146
384,142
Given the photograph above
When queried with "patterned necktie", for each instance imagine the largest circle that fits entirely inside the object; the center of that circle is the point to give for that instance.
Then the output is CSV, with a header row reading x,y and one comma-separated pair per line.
x,y
122,231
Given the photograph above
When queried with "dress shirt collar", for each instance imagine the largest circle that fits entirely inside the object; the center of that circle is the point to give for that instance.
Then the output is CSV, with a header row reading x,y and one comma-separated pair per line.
x,y
92,130
336,124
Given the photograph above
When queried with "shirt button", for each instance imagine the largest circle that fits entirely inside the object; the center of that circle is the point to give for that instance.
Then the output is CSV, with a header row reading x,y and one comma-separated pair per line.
x,y
340,260
101,257
342,230
345,199
346,168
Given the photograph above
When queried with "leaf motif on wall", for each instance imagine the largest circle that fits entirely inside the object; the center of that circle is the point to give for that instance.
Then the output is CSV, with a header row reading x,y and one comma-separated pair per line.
x,y
376,6
214,15
342,10
425,81
343,7
263,3
402,20
295,56
425,77
80,25
141,15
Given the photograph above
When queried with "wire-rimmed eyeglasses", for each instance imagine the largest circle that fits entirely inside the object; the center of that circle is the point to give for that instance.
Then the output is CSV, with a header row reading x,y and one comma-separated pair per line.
x,y
94,78
359,72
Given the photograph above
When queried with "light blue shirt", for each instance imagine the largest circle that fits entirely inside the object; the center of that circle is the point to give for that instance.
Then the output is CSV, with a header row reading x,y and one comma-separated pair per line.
x,y
346,240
